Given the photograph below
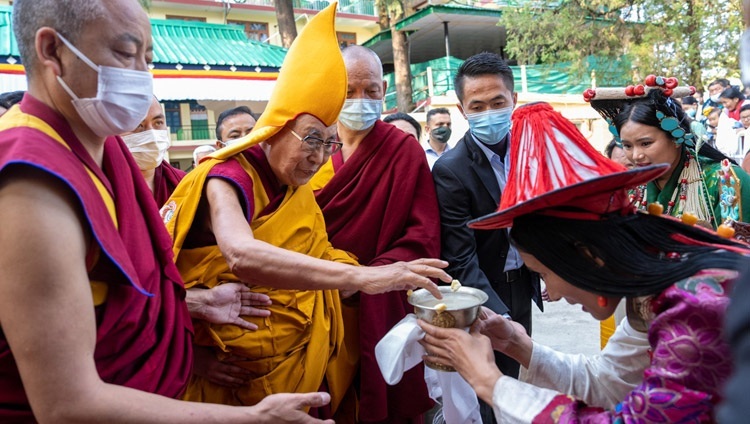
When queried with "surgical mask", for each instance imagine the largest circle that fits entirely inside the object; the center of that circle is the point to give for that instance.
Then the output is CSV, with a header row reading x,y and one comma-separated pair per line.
x,y
691,113
228,142
441,134
123,97
148,147
715,98
490,126
360,114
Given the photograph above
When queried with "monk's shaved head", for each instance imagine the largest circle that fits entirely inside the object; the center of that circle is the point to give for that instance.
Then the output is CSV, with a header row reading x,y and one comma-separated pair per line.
x,y
362,56
69,17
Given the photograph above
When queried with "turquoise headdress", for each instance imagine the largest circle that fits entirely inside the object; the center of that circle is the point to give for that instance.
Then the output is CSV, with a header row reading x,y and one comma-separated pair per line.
x,y
609,102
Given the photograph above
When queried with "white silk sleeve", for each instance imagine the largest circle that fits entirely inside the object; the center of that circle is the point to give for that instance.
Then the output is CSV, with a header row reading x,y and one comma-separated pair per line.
x,y
601,380
516,402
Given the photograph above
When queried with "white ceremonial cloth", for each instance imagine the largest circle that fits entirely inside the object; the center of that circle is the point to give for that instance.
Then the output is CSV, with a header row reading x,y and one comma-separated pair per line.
x,y
399,351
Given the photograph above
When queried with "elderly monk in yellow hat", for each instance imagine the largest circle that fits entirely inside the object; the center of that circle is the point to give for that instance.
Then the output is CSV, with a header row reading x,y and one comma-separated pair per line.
x,y
247,214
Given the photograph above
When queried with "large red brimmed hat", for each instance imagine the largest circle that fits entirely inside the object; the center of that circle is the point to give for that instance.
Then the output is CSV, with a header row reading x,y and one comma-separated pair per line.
x,y
554,168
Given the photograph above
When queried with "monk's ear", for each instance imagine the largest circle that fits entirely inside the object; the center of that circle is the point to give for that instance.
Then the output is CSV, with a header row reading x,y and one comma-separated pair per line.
x,y
385,87
48,48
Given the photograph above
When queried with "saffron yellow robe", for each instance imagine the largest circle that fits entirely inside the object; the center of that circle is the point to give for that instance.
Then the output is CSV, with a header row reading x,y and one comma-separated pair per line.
x,y
301,342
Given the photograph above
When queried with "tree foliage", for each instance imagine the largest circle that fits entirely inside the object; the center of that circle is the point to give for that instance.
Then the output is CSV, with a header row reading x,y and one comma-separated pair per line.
x,y
390,12
683,38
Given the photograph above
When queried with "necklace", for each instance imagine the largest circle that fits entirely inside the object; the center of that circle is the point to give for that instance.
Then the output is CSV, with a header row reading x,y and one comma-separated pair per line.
x,y
687,196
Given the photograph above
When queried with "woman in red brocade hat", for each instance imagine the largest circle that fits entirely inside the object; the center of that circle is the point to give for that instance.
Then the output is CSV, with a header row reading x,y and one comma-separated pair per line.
x,y
573,222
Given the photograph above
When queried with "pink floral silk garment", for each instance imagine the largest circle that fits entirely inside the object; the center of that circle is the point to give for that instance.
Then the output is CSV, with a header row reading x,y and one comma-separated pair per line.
x,y
690,361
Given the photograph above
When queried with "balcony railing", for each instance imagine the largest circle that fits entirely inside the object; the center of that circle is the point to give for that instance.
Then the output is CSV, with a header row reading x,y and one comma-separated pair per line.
x,y
195,132
355,7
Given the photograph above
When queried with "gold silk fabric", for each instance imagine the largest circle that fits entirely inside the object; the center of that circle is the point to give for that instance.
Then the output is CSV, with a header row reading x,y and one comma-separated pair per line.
x,y
301,342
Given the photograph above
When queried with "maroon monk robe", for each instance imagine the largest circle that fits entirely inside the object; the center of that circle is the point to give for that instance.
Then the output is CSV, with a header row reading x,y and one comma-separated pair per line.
x,y
144,332
381,206
166,178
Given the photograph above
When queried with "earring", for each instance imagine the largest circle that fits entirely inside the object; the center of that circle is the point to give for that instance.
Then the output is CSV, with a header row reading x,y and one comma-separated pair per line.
x,y
602,301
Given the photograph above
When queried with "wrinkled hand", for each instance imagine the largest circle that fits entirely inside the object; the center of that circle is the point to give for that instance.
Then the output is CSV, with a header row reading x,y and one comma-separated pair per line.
x,y
404,276
228,302
290,408
223,373
469,353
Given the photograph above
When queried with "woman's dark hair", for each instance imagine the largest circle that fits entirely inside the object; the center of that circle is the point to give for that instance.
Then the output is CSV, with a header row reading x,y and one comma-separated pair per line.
x,y
689,100
633,255
643,111
732,92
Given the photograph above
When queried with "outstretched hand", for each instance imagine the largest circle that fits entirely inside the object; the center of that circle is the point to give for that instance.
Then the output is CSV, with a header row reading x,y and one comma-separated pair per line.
x,y
290,408
405,276
469,353
227,303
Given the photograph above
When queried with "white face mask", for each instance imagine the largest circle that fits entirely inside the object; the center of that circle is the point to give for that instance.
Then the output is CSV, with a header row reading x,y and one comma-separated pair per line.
x,y
122,99
228,142
360,114
148,147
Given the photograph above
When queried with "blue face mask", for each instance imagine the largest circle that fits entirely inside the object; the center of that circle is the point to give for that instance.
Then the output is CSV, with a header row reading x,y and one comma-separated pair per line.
x,y
490,126
360,114
691,113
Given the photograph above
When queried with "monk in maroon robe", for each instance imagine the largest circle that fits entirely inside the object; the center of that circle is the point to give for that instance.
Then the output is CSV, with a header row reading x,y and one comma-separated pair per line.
x,y
149,143
94,325
379,203
166,178
137,292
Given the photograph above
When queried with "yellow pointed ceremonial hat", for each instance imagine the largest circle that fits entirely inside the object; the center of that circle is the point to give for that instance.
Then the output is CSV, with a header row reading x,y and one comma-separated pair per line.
x,y
312,80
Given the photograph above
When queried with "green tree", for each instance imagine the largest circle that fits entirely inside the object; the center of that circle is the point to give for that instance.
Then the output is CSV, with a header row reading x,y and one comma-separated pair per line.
x,y
675,38
390,12
686,38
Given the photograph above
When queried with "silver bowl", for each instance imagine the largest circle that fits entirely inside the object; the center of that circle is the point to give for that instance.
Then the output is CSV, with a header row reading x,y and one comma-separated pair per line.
x,y
462,310
463,305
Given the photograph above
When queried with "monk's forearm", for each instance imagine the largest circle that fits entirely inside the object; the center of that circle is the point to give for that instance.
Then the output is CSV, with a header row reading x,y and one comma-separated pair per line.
x,y
117,404
261,263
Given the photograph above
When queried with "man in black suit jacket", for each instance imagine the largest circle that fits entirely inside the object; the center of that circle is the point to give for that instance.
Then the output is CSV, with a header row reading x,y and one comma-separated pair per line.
x,y
468,181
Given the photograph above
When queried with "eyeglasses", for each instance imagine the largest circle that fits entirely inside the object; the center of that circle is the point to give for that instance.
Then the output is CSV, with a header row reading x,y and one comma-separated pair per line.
x,y
313,144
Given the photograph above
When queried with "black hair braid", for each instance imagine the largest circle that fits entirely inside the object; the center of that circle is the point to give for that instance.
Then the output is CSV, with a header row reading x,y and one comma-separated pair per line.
x,y
633,255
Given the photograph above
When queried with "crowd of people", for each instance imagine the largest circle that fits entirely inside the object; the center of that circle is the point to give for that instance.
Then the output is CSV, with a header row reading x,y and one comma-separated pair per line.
x,y
255,287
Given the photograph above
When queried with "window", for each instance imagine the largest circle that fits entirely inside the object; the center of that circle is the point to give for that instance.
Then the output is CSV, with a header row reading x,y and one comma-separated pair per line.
x,y
186,18
172,115
257,31
198,122
346,39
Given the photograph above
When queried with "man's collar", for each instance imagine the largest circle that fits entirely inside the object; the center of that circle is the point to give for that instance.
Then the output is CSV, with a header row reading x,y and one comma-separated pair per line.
x,y
499,149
